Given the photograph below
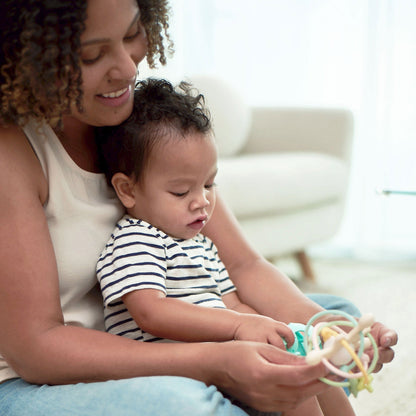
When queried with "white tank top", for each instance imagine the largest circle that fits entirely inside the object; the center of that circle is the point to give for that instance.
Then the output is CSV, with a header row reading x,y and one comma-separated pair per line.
x,y
81,211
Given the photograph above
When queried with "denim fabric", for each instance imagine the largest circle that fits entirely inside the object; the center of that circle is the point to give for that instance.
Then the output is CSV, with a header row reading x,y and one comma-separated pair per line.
x,y
144,396
335,302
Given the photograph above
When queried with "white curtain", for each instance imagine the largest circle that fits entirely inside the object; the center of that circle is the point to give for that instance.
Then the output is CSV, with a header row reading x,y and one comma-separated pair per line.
x,y
358,54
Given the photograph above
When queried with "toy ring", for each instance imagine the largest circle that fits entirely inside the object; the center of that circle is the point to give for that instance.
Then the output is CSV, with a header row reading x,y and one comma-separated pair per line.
x,y
343,353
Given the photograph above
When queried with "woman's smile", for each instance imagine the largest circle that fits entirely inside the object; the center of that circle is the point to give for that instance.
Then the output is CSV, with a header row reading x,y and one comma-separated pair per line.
x,y
116,98
115,94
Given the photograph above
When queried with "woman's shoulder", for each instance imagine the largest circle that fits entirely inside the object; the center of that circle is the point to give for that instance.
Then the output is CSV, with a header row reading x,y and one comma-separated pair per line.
x,y
19,164
10,133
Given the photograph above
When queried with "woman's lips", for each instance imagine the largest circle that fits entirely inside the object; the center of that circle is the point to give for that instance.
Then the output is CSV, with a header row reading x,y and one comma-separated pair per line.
x,y
115,94
115,98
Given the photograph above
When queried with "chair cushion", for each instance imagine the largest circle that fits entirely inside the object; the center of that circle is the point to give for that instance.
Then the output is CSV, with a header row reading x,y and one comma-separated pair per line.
x,y
263,184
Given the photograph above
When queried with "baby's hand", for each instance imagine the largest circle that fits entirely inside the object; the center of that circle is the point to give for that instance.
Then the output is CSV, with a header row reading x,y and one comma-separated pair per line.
x,y
261,328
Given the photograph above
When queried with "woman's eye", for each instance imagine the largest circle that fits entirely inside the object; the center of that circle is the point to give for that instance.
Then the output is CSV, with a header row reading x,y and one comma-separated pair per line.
x,y
88,61
134,34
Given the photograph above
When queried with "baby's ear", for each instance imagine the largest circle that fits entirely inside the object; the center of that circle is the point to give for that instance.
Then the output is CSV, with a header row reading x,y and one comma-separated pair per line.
x,y
123,185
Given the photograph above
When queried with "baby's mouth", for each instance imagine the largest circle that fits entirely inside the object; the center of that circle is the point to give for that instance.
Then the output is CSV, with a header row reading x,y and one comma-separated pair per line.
x,y
198,223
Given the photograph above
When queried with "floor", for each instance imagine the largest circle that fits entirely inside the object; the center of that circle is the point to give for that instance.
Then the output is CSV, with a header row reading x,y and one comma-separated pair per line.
x,y
388,290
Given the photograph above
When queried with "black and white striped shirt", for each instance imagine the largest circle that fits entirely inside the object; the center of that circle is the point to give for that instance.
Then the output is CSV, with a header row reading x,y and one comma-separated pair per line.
x,y
140,256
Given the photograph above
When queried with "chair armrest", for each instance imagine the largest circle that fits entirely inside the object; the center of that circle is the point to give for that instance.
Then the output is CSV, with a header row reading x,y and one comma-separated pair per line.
x,y
278,129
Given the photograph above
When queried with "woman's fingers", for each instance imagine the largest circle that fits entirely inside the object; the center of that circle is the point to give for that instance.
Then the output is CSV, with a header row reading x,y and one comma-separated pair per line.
x,y
270,379
294,368
385,338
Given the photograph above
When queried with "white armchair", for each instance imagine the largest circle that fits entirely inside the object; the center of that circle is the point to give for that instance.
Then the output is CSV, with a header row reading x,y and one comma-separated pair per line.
x,y
283,171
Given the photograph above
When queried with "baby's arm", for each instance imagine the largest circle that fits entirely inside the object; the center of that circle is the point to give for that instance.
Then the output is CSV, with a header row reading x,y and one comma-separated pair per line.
x,y
233,302
181,321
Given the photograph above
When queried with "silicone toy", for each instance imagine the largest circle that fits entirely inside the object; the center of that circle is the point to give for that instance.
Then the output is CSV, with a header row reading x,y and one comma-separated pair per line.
x,y
299,346
341,352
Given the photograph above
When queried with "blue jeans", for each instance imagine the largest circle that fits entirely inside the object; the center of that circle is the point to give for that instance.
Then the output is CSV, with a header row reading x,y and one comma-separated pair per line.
x,y
144,396
335,302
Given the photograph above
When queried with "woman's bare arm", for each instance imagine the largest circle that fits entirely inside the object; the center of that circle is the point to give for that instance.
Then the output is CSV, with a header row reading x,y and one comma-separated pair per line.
x,y
33,337
232,301
260,284
263,287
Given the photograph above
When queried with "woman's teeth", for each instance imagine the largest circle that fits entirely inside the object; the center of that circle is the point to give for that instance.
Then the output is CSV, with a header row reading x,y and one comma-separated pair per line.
x,y
115,94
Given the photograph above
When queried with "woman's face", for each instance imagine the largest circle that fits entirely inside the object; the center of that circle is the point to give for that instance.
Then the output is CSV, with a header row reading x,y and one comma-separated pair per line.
x,y
112,45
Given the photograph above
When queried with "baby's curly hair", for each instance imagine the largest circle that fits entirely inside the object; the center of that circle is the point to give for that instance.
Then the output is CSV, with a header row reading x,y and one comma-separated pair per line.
x,y
40,74
160,112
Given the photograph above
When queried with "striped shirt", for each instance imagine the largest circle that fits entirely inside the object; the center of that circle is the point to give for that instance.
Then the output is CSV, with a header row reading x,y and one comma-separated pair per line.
x,y
140,256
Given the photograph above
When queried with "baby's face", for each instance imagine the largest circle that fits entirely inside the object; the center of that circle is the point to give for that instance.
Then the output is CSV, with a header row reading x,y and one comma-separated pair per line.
x,y
177,192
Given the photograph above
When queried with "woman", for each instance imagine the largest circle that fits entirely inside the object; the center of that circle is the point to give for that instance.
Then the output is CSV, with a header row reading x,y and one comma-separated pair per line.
x,y
66,67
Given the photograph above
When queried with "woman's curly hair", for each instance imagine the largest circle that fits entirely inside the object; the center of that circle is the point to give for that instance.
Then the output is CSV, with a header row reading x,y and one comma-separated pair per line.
x,y
40,73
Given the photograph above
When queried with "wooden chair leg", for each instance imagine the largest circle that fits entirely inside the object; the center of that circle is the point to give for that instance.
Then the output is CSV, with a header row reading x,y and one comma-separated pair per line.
x,y
305,265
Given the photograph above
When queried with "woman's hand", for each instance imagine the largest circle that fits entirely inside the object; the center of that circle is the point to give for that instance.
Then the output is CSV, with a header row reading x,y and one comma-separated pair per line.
x,y
385,338
265,377
263,329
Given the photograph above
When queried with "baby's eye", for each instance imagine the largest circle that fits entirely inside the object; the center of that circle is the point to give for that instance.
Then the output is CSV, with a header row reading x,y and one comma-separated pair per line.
x,y
210,185
179,194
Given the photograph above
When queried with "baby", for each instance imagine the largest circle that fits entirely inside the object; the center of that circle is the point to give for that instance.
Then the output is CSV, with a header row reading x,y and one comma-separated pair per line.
x,y
161,279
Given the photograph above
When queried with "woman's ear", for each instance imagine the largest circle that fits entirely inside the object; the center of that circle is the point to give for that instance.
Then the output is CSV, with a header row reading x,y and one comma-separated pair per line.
x,y
124,187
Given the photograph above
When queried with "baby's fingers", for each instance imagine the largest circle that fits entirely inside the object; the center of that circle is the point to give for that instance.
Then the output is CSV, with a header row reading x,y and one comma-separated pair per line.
x,y
286,333
276,340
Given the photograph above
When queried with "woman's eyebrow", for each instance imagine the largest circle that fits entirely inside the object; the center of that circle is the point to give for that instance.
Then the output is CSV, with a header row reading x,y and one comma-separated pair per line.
x,y
105,40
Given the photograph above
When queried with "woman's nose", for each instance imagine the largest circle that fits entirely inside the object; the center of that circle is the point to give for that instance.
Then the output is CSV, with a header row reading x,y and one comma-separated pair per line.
x,y
125,65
